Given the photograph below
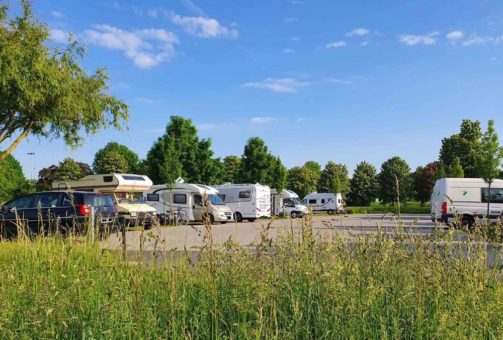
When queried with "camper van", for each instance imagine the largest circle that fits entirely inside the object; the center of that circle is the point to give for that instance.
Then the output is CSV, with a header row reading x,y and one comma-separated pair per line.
x,y
189,200
324,202
287,203
465,198
125,189
247,201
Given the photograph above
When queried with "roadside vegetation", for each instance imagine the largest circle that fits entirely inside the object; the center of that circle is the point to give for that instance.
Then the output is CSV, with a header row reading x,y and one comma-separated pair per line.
x,y
374,286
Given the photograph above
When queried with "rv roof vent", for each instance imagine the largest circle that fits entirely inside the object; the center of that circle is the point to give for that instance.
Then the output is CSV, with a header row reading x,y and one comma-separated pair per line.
x,y
179,180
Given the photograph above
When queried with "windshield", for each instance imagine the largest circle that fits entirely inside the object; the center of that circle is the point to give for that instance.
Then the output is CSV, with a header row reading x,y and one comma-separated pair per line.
x,y
296,201
215,200
129,197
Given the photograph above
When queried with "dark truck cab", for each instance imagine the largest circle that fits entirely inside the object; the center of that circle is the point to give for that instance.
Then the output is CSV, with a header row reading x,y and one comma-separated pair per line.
x,y
56,211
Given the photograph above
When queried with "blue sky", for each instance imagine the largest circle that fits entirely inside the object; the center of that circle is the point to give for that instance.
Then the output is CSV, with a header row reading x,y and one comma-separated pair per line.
x,y
317,80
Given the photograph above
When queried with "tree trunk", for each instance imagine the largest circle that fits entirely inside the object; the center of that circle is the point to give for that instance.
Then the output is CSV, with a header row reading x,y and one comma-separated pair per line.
x,y
14,144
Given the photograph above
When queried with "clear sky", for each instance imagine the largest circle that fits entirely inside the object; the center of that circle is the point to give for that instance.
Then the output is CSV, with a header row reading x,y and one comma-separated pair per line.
x,y
318,80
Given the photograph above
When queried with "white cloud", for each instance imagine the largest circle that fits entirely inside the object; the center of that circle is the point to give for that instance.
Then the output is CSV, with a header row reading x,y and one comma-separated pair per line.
x,y
291,19
483,40
455,35
56,14
206,127
204,27
146,47
340,81
288,50
261,120
336,44
412,40
358,32
59,35
280,85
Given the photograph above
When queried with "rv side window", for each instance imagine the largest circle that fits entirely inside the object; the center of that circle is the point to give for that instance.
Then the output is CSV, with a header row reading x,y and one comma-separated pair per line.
x,y
108,179
153,197
180,198
496,195
198,200
244,194
322,200
312,201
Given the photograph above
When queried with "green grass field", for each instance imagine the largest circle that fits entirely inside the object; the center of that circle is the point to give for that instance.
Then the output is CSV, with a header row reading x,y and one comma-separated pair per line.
x,y
376,208
374,287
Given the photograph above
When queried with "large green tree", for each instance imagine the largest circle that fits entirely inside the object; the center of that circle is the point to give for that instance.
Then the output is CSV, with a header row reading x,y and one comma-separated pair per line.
x,y
329,173
277,174
181,153
424,180
44,91
464,145
302,180
455,170
68,169
231,169
490,158
125,160
395,181
256,162
364,185
12,180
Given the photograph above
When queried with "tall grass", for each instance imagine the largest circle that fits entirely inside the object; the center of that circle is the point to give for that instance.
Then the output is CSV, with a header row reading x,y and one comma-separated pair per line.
x,y
372,286
377,208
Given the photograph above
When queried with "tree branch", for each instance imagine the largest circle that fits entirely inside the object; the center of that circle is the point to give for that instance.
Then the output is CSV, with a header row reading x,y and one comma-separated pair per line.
x,y
22,136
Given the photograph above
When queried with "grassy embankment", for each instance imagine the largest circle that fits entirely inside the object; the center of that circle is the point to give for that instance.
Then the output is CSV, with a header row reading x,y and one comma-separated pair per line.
x,y
406,287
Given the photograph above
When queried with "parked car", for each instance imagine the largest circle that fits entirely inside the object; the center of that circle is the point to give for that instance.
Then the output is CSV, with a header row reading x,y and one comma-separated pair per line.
x,y
52,211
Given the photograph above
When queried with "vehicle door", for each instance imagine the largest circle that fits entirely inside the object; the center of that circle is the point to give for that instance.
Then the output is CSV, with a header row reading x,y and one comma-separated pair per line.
x,y
17,213
49,210
198,207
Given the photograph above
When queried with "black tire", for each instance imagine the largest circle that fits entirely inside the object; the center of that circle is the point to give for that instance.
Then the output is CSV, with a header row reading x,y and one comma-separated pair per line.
x,y
467,222
294,214
238,217
330,212
251,219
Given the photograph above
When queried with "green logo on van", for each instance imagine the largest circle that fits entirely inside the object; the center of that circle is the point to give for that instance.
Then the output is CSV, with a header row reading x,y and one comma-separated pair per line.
x,y
465,193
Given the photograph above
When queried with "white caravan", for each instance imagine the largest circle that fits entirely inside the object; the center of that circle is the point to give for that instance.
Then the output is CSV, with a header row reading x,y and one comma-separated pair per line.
x,y
287,203
125,189
189,200
247,201
465,198
324,202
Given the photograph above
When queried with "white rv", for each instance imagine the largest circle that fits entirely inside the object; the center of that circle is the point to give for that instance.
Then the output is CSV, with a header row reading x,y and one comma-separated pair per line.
x,y
287,203
189,200
247,201
465,198
324,202
125,189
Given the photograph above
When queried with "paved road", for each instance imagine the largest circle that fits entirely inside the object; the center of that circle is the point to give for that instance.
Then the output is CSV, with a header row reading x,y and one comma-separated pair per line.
x,y
249,233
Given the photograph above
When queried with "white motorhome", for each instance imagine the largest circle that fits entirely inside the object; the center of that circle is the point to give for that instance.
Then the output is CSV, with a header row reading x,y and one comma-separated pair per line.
x,y
324,202
189,199
247,201
465,198
125,189
287,203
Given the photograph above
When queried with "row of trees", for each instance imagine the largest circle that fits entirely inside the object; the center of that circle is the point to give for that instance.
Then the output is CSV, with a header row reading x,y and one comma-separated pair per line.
x,y
181,153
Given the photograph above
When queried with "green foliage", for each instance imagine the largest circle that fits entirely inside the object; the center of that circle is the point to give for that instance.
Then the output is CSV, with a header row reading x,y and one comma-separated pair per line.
x,y
180,153
325,184
402,287
441,171
395,182
336,185
231,169
256,162
465,146
127,161
455,170
364,185
12,180
277,174
490,158
424,180
66,170
303,179
44,91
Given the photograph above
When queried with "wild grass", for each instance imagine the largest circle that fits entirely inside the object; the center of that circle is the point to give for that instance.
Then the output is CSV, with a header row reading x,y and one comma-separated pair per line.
x,y
364,286
377,208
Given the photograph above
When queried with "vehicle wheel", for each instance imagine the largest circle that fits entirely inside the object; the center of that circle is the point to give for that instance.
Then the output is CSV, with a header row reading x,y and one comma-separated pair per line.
x,y
294,214
238,217
330,212
251,219
467,222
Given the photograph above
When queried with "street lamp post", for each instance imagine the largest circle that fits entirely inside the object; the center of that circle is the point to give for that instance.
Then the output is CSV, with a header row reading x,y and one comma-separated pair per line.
x,y
31,154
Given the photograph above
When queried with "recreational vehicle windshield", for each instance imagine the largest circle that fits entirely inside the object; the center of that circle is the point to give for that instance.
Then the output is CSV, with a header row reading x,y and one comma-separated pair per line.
x,y
247,201
189,199
125,189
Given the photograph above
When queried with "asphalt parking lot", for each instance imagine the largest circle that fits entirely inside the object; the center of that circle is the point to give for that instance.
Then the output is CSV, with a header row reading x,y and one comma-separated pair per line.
x,y
191,237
